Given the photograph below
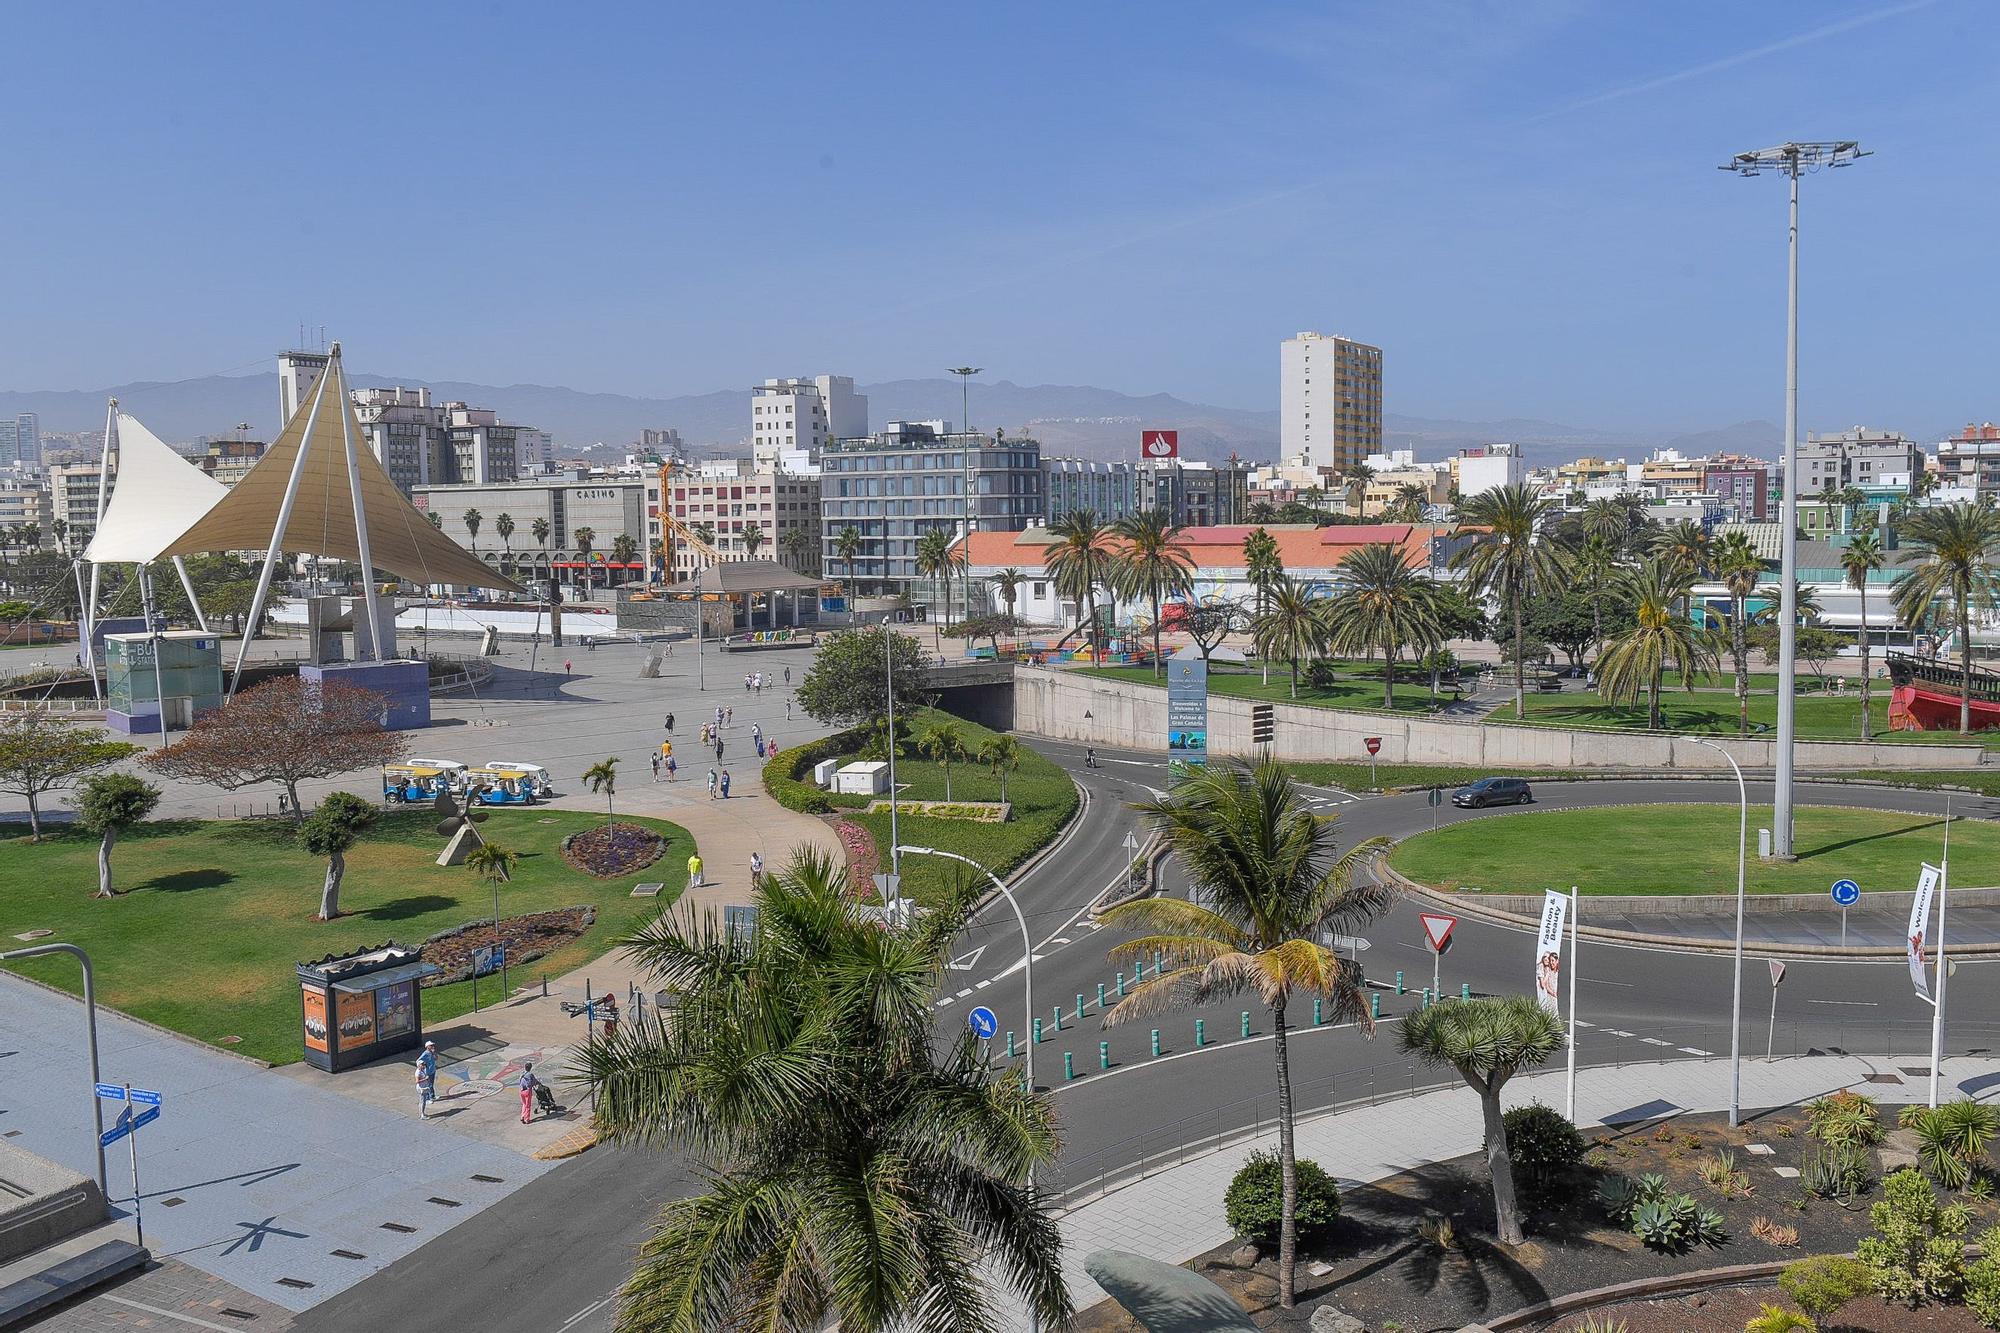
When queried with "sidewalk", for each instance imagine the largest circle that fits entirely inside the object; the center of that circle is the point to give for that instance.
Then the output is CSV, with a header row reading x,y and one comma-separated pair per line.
x,y
1177,1214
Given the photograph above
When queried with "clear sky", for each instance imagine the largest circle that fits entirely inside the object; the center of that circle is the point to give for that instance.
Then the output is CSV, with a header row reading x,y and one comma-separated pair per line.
x,y
1518,200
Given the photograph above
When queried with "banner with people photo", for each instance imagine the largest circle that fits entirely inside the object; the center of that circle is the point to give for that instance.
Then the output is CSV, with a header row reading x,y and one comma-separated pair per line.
x,y
1920,926
1548,950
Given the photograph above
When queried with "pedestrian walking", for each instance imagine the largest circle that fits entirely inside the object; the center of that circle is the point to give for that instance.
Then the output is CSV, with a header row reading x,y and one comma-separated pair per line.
x,y
656,768
565,668
788,708
788,676
746,682
670,724
711,784
528,1085
673,769
760,749
756,870
718,749
757,735
427,1073
694,870
729,714
666,749
725,784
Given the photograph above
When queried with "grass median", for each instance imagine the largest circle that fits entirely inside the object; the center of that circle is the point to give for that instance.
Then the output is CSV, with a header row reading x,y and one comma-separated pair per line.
x,y
1713,713
1358,692
212,916
1690,849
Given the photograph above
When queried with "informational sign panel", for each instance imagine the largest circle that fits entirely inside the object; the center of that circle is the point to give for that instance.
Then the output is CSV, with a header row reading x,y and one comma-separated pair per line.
x,y
1920,926
1549,950
1187,710
1160,443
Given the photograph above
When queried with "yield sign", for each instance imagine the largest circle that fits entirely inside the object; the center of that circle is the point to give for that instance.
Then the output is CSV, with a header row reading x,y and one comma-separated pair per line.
x,y
1437,929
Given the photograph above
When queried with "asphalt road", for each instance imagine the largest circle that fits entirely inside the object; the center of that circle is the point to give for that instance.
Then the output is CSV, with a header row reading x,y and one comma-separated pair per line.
x,y
552,1256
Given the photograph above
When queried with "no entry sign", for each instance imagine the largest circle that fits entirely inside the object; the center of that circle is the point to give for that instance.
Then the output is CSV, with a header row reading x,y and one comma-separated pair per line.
x,y
1374,744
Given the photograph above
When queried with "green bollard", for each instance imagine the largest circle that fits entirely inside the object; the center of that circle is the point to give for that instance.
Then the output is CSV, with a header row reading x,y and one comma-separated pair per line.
x,y
1200,1038
1318,1017
1121,984
1038,1032
1246,1022
1100,995
1399,983
1010,1043
1375,1005
1104,1055
1156,962
1079,1006
1058,1014
1156,1041
1464,990
1069,1065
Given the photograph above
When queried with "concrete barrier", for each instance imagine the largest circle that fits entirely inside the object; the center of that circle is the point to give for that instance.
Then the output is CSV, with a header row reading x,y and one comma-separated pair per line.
x,y
1083,706
42,1202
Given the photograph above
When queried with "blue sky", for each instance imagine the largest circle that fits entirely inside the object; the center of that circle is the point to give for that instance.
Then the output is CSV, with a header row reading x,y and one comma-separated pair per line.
x,y
1518,200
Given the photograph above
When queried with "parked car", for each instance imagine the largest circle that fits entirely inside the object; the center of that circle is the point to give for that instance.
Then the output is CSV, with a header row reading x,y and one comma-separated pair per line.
x,y
1493,791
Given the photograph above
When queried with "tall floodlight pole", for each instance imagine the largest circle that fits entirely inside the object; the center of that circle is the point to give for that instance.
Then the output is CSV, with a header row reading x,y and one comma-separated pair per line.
x,y
1736,986
965,374
1792,159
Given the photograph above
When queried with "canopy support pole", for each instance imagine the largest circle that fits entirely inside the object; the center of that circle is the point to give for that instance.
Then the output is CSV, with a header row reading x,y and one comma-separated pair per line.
x,y
361,529
153,637
88,612
187,586
278,531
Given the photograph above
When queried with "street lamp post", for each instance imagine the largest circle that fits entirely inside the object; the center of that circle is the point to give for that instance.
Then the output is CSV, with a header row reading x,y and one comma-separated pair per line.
x,y
895,796
90,1036
1027,946
1792,159
965,374
1736,1000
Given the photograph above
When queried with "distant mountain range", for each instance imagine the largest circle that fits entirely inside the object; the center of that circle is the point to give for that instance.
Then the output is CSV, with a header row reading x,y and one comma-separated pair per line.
x,y
1070,420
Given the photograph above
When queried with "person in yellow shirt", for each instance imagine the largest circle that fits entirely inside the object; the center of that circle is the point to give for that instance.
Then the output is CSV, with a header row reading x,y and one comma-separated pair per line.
x,y
694,870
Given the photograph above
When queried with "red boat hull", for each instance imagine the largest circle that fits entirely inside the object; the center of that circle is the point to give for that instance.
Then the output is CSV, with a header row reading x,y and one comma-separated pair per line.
x,y
1918,707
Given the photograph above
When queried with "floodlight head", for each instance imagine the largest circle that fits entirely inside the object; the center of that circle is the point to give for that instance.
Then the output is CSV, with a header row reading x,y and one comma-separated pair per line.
x,y
1795,158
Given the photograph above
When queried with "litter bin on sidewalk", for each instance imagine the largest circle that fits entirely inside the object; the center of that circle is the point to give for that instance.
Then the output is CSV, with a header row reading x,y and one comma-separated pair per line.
x,y
358,1007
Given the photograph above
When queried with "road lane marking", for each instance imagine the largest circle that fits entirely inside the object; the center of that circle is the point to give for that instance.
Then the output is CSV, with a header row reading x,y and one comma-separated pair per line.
x,y
1655,1041
163,1313
1691,1050
574,1319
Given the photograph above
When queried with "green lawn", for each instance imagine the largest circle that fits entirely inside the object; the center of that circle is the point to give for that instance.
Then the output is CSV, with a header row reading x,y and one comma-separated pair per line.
x,y
1042,795
1356,692
1692,849
1818,717
212,917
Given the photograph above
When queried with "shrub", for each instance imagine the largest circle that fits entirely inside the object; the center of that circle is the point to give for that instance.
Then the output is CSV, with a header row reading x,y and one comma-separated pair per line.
x,y
1822,1284
1844,1117
1545,1146
1982,1280
784,772
1436,1230
1320,673
1722,1176
1916,1254
1780,1234
1253,1204
1777,1319
1952,1139
1834,1171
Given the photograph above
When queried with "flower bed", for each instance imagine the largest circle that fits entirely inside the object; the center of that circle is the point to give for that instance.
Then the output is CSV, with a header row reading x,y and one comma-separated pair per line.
x,y
863,861
527,938
985,812
610,850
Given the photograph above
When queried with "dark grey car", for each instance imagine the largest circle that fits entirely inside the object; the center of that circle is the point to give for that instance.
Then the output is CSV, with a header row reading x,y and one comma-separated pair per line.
x,y
1493,791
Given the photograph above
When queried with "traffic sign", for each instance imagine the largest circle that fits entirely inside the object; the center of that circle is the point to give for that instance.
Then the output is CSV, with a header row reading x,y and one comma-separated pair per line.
x,y
1437,929
1777,971
1846,892
983,1022
1344,943
1131,843
1374,744
127,1122
115,1092
1437,796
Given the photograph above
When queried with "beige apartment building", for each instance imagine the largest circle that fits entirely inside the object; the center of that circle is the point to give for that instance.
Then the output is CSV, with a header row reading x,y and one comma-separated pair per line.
x,y
729,497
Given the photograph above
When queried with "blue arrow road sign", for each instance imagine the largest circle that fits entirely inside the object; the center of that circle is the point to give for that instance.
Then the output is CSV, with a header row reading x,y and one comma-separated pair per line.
x,y
127,1122
1846,892
983,1022
114,1092
111,1090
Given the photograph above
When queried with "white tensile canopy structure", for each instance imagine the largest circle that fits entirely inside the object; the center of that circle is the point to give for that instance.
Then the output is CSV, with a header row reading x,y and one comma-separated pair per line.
x,y
319,490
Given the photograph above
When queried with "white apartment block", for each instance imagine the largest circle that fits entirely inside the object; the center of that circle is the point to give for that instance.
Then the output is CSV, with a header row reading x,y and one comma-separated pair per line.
x,y
23,503
1330,400
792,419
728,497
1488,467
73,499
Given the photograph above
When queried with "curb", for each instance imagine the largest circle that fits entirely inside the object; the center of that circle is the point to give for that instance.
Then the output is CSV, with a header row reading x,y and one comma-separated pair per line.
x,y
577,1141
104,1008
1643,1288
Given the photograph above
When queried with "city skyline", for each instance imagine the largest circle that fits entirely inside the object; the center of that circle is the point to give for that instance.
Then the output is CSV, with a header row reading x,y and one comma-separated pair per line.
x,y
1522,211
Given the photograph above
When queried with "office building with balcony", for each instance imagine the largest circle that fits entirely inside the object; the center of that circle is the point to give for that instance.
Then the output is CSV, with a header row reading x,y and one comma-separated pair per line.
x,y
1330,400
729,498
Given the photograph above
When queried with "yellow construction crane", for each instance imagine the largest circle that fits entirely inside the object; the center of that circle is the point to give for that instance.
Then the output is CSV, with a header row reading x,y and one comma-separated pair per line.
x,y
682,532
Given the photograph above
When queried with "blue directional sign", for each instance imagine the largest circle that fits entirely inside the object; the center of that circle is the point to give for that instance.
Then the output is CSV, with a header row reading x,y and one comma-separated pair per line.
x,y
127,1122
1846,892
116,1093
983,1022
111,1090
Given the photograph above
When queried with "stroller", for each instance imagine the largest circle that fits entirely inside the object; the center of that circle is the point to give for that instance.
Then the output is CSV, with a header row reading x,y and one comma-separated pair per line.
x,y
545,1101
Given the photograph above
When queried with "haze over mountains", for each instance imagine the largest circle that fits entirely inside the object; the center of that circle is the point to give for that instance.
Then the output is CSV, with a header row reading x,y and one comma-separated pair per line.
x,y
1070,420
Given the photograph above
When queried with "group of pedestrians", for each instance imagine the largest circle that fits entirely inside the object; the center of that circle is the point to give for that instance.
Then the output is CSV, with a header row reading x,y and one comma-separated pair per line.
x,y
531,1086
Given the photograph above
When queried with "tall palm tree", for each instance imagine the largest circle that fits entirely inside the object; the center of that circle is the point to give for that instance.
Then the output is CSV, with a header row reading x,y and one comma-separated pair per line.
x,y
1686,546
1411,498
1269,868
1002,754
1609,518
1263,566
624,551
1153,565
1738,565
473,518
504,525
856,1170
848,546
602,776
1953,549
944,742
1382,603
1862,557
656,552
938,558
538,528
797,543
1508,560
1596,564
1354,486
1488,1041
586,542
1637,660
1289,626
753,540
1078,560
1009,582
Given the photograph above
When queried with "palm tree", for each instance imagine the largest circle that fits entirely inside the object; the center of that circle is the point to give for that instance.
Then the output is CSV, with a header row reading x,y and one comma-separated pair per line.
x,y
472,519
1382,603
1411,498
586,542
1002,754
1488,1041
1354,486
1686,547
1268,865
656,550
1862,557
1637,660
1009,582
1263,511
847,546
1508,560
1596,563
856,1170
539,530
1609,518
797,544
1263,567
753,540
1077,561
1153,565
504,525
1954,549
1738,565
436,519
624,551
602,776
1289,626
943,742
938,559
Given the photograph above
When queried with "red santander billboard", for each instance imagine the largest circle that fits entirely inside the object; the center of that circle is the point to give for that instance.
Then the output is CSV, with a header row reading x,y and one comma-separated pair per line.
x,y
1160,444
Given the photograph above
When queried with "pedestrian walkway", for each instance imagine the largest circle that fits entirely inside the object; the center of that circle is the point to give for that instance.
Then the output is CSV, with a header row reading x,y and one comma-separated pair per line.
x,y
1175,1214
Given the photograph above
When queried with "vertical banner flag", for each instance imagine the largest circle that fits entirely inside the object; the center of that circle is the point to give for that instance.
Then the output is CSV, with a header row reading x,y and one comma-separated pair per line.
x,y
1549,950
1187,710
1160,444
1920,925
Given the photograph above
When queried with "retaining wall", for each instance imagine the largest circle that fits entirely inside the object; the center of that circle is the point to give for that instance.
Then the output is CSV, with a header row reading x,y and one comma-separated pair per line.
x,y
1079,705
